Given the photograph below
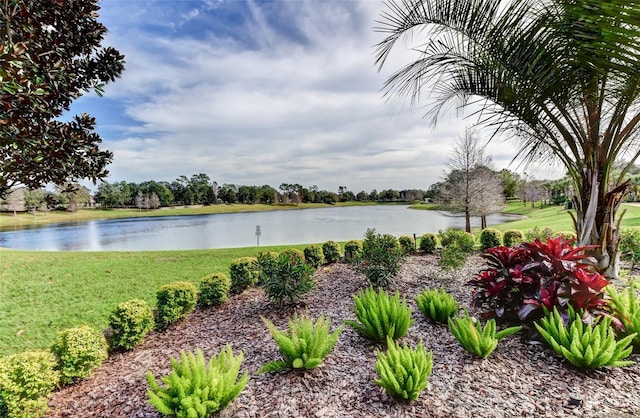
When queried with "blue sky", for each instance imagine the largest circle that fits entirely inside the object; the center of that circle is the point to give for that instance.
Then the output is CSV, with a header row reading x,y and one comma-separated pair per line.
x,y
265,92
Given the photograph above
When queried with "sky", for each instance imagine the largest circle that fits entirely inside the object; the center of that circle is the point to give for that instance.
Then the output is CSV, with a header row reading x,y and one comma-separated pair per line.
x,y
267,92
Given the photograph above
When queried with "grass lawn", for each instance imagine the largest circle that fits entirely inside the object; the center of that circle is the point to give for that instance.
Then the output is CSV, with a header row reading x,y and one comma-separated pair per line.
x,y
42,293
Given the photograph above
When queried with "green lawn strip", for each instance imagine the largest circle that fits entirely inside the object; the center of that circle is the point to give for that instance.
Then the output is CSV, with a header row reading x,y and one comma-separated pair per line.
x,y
42,293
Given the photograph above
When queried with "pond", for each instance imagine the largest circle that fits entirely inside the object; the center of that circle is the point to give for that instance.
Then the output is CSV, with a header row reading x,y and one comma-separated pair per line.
x,y
233,229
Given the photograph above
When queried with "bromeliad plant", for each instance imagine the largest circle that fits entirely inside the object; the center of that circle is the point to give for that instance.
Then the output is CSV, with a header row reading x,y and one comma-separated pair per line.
x,y
585,345
381,316
519,282
304,346
404,372
476,339
196,388
436,305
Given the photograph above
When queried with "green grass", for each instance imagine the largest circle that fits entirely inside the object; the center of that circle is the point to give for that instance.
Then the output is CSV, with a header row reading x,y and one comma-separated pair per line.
x,y
42,293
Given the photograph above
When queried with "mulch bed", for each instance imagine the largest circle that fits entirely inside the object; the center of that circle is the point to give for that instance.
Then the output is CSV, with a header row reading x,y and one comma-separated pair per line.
x,y
521,378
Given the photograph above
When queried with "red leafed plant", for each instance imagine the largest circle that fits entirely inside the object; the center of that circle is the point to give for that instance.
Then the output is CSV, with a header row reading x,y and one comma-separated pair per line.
x,y
521,281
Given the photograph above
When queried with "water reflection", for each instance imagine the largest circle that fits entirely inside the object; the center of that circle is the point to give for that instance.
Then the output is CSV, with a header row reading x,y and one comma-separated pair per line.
x,y
231,230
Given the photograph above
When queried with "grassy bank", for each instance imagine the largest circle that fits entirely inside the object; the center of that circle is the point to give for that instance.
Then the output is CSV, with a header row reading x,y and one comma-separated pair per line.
x,y
42,293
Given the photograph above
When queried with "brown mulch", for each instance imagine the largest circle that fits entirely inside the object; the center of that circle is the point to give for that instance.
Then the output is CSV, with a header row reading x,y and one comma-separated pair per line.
x,y
521,378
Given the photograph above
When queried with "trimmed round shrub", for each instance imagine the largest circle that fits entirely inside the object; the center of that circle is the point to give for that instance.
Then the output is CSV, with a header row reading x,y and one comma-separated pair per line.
x,y
331,251
490,237
174,302
78,352
130,322
566,235
464,240
428,243
243,273
512,237
267,265
26,381
352,251
314,256
214,289
407,244
294,254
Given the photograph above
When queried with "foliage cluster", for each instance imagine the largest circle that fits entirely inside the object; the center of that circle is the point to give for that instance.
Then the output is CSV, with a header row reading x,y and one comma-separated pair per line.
x,y
537,233
196,388
407,244
267,262
352,251
288,277
243,273
129,323
381,258
314,256
456,246
331,251
585,345
519,282
513,237
78,352
175,301
630,246
626,306
214,289
404,372
476,339
26,381
428,243
437,305
304,345
380,316
490,237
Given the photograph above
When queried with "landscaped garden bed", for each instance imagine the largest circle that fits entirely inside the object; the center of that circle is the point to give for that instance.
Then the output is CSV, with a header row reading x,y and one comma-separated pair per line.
x,y
521,378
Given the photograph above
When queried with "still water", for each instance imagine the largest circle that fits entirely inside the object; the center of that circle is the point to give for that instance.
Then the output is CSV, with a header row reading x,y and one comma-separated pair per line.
x,y
232,230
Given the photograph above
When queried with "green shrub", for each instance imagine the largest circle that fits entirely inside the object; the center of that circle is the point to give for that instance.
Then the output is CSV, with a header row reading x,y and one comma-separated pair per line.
x,y
380,316
244,272
626,306
196,388
214,289
428,243
436,305
585,346
352,251
475,339
512,237
294,254
381,258
452,258
175,301
456,237
331,251
629,246
267,264
566,235
78,352
490,237
407,244
404,372
129,323
314,256
26,381
304,345
537,233
290,278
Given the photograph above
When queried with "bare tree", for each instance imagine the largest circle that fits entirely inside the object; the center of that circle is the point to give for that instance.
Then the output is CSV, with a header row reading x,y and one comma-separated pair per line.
x,y
487,193
460,191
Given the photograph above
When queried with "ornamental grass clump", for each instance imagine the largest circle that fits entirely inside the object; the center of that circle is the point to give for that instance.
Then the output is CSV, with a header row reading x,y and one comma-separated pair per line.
x,y
404,372
196,388
626,306
585,345
380,316
476,339
437,305
304,345
78,352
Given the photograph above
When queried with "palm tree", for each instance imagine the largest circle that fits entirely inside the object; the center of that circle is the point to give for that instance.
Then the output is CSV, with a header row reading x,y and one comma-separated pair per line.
x,y
564,75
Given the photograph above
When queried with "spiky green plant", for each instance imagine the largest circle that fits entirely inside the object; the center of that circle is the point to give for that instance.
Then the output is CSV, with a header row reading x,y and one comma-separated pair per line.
x,y
437,305
627,307
404,372
476,339
585,345
380,315
198,389
304,345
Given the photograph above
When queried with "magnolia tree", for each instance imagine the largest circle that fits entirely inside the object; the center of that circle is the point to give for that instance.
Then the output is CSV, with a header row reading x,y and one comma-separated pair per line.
x,y
51,54
561,76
